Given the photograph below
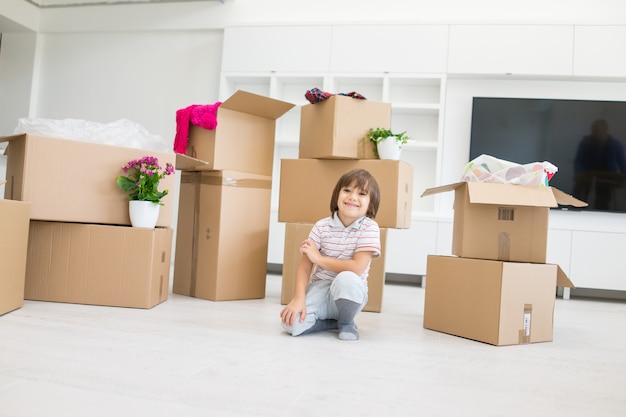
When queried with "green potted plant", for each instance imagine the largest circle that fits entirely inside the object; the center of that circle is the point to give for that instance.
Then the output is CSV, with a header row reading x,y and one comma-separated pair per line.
x,y
141,183
388,145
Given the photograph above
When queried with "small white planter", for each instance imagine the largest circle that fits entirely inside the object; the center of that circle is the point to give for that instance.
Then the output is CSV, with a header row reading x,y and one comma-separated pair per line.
x,y
389,148
143,213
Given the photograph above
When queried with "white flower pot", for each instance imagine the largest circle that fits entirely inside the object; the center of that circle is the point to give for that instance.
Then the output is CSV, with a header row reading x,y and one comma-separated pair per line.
x,y
143,213
389,148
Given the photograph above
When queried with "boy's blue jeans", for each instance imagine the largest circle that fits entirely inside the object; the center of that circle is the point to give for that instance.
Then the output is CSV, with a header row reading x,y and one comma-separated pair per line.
x,y
321,296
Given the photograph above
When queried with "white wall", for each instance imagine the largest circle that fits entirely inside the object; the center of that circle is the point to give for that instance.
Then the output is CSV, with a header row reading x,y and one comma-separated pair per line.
x,y
18,15
142,76
17,58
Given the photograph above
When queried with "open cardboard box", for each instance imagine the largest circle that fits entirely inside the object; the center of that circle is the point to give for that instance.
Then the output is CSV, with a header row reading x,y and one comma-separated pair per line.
x,y
500,303
243,139
338,127
74,181
502,221
14,218
295,233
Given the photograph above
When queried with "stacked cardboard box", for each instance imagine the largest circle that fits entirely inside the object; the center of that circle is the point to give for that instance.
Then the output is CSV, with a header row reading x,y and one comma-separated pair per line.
x,y
224,204
498,288
81,248
333,141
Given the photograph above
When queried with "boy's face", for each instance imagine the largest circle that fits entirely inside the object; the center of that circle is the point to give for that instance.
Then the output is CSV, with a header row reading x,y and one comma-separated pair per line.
x,y
352,204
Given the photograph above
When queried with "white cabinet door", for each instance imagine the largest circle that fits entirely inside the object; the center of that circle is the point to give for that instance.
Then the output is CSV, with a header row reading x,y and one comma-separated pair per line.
x,y
276,48
407,249
599,50
598,260
444,238
521,49
276,242
389,48
559,248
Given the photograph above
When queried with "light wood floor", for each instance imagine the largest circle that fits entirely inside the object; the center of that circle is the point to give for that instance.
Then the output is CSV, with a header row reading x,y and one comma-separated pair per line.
x,y
191,357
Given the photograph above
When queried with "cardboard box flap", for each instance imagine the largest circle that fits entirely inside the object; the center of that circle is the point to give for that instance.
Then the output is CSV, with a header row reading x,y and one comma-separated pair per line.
x,y
185,162
227,179
562,280
10,137
262,106
565,199
510,194
505,194
442,189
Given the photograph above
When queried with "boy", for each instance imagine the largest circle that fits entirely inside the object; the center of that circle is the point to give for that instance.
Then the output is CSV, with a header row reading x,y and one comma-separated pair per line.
x,y
341,247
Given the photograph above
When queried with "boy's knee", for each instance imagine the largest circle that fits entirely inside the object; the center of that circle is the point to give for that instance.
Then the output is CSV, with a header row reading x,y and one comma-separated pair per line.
x,y
349,286
347,276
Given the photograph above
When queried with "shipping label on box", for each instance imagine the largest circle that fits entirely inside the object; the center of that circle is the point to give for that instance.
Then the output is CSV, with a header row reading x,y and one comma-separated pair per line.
x,y
74,181
502,221
14,219
243,139
338,127
306,186
500,303
97,264
222,236
295,233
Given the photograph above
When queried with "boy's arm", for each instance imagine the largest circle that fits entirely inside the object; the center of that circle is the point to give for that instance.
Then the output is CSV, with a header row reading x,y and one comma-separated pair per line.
x,y
357,264
297,305
303,275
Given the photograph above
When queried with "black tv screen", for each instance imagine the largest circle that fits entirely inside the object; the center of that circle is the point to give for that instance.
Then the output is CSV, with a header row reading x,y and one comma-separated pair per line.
x,y
585,139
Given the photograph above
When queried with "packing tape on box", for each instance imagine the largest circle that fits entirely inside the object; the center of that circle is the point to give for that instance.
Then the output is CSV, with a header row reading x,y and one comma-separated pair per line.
x,y
191,178
524,332
197,177
504,246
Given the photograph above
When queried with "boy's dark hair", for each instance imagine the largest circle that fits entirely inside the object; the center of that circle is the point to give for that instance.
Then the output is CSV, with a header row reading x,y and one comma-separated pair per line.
x,y
361,179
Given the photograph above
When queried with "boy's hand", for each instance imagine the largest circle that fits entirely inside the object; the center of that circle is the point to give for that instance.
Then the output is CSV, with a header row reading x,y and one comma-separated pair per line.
x,y
291,311
309,248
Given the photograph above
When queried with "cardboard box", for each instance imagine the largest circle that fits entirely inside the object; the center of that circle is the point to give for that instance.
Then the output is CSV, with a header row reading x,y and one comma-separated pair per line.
x,y
502,221
74,181
97,264
295,233
14,216
338,127
500,303
306,186
222,236
243,140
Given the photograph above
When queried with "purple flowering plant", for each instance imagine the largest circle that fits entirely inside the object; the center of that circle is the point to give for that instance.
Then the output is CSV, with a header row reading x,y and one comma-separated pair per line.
x,y
141,181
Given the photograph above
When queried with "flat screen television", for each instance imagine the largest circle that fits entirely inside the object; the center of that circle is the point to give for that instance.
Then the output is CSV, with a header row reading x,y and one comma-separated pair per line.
x,y
571,134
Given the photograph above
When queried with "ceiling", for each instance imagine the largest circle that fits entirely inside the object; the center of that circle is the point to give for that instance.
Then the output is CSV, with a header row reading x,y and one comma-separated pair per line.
x,y
78,3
